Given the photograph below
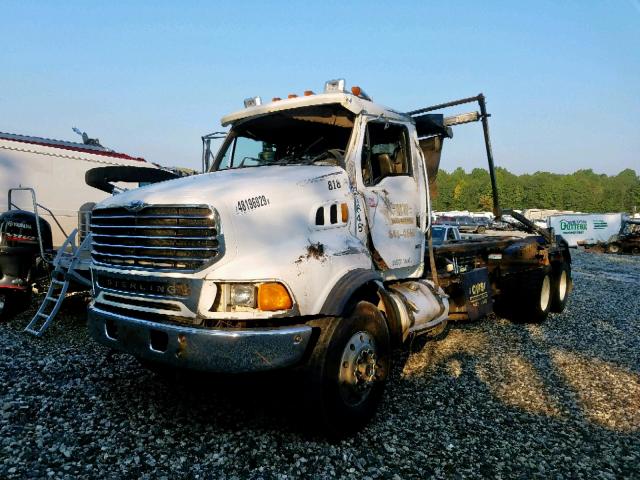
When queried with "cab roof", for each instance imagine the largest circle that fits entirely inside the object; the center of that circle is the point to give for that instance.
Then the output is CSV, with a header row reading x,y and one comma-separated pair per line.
x,y
348,101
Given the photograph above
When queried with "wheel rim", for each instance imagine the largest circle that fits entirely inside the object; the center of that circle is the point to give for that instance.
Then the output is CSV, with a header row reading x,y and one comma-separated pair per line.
x,y
562,285
358,368
2,303
545,293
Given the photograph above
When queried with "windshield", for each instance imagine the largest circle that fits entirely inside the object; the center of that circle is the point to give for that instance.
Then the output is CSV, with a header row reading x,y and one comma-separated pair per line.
x,y
315,135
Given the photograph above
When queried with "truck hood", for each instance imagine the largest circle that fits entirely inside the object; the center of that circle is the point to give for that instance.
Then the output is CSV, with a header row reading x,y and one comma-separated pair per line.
x,y
227,187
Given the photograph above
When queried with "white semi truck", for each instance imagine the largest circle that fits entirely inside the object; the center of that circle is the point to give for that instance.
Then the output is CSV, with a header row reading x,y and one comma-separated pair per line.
x,y
306,246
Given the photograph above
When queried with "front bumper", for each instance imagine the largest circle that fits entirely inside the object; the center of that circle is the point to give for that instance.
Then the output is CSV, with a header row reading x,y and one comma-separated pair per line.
x,y
206,349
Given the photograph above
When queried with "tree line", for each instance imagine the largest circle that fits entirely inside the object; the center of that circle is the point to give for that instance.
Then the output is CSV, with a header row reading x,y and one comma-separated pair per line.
x,y
583,191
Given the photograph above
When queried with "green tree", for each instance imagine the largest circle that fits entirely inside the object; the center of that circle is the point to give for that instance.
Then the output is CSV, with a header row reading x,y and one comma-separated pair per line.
x,y
583,190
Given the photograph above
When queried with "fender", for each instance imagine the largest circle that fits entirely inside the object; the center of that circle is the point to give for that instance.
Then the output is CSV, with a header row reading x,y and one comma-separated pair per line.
x,y
344,288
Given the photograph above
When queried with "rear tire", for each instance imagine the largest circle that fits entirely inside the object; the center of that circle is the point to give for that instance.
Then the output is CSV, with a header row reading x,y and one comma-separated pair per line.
x,y
525,297
561,286
613,248
348,369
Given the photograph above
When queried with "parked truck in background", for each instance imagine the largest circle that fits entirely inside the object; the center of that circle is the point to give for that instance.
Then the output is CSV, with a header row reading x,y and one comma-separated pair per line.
x,y
602,232
441,234
307,246
586,228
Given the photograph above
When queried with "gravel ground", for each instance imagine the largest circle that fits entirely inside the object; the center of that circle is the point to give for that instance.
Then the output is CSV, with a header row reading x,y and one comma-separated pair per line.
x,y
490,399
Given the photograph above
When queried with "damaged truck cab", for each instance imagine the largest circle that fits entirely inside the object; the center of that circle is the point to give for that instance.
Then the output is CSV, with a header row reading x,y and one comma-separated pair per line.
x,y
305,245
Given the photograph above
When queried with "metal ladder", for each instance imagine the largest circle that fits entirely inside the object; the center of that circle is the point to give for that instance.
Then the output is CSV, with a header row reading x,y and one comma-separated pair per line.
x,y
63,272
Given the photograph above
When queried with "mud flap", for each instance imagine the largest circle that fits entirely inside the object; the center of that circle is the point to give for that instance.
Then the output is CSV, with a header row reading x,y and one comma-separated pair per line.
x,y
477,293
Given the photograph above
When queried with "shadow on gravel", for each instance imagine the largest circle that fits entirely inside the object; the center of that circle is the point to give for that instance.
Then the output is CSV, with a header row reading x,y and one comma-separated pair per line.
x,y
229,403
522,369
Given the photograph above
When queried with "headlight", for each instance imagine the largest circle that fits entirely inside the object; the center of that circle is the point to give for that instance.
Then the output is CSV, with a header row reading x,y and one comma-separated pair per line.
x,y
268,296
243,295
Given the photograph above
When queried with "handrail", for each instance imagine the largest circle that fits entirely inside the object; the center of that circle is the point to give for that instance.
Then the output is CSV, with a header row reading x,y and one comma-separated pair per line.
x,y
54,218
35,211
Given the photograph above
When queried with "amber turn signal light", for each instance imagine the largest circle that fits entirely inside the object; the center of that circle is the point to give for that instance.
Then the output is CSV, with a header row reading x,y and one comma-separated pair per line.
x,y
273,296
344,209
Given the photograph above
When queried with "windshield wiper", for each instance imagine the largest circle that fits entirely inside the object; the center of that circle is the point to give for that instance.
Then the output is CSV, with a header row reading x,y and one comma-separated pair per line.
x,y
313,144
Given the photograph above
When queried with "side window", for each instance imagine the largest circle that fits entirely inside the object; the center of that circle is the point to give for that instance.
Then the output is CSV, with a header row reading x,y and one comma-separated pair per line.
x,y
385,152
451,235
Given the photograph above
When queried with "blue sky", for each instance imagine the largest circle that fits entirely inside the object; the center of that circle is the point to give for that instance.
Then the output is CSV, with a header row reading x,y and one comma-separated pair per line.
x,y
562,79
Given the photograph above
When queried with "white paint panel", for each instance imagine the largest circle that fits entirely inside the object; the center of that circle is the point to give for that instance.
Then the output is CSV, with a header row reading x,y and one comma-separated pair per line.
x,y
57,176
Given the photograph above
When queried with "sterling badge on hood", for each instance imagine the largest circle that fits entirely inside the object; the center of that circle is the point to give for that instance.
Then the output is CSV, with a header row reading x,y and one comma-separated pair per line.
x,y
135,206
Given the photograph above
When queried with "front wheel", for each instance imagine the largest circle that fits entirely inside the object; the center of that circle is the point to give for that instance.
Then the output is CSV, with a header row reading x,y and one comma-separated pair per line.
x,y
348,369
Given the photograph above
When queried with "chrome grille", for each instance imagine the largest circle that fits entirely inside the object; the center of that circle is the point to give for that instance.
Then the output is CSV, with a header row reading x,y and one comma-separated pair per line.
x,y
157,237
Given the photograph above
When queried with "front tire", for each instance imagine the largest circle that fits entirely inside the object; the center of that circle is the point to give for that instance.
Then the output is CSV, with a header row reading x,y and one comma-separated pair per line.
x,y
348,369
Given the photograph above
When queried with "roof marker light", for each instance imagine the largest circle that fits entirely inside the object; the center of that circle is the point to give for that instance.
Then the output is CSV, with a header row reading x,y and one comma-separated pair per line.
x,y
252,102
358,92
276,99
308,93
292,95
334,86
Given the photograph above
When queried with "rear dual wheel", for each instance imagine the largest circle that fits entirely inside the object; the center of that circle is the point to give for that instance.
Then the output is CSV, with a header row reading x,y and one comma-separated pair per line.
x,y
529,297
525,297
535,297
562,285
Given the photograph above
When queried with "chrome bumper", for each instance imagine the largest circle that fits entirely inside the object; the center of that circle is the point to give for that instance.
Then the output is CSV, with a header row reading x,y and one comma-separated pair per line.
x,y
213,350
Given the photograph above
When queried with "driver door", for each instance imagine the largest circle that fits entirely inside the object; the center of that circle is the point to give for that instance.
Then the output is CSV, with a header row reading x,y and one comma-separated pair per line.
x,y
391,194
